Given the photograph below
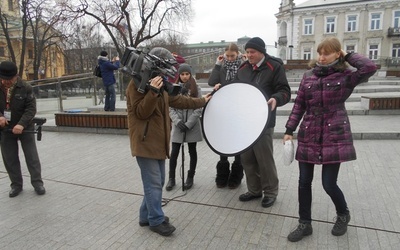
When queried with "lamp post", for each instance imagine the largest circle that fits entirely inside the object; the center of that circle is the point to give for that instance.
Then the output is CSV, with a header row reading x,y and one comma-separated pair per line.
x,y
291,51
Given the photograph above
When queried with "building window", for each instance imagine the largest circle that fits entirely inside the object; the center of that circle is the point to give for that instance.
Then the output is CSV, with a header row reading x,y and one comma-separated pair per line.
x,y
397,19
373,52
2,52
396,50
308,26
350,48
307,54
375,21
30,54
351,23
10,5
330,24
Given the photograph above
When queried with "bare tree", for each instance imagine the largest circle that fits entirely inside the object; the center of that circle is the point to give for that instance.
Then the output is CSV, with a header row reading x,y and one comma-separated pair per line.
x,y
172,42
82,46
43,19
10,30
38,22
129,22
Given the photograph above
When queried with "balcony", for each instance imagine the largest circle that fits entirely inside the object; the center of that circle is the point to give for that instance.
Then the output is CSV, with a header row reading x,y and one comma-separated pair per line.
x,y
393,62
395,31
282,41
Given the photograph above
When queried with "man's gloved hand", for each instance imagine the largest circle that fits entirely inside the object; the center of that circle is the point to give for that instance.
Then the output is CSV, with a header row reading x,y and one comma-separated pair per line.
x,y
181,125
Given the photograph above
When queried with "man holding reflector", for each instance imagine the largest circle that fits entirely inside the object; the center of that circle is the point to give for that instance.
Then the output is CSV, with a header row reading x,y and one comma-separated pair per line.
x,y
249,105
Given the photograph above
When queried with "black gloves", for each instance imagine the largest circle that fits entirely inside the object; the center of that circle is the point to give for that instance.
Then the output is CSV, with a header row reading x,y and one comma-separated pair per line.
x,y
184,91
181,125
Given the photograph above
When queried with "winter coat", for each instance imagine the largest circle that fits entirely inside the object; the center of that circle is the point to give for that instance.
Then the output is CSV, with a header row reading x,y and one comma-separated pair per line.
x,y
218,74
270,77
107,70
22,104
191,118
324,135
149,123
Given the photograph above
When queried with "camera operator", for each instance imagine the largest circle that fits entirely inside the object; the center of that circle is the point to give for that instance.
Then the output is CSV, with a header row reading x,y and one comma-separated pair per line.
x,y
149,130
17,110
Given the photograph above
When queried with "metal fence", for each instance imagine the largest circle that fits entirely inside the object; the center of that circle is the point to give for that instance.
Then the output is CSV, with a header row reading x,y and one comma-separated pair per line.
x,y
67,93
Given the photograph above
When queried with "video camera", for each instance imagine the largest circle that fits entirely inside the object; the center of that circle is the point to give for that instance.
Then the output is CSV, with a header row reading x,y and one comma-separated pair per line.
x,y
144,66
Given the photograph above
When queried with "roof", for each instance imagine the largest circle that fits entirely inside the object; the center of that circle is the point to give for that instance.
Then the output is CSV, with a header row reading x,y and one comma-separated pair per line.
x,y
311,3
210,44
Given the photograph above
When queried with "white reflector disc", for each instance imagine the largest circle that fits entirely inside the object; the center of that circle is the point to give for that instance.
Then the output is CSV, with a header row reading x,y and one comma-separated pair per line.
x,y
234,118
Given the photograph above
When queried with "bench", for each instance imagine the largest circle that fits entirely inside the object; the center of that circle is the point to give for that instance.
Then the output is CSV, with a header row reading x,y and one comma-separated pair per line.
x,y
380,102
93,119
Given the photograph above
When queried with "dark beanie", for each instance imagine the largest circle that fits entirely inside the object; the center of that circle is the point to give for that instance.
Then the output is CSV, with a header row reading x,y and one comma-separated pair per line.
x,y
8,70
103,53
257,44
184,67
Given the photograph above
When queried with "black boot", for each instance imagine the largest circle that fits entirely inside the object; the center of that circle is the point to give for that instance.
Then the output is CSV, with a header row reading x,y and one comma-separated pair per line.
x,y
222,174
189,180
236,176
170,184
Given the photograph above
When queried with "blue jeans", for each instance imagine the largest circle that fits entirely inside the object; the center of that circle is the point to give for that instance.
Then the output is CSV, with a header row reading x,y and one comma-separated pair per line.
x,y
329,182
153,176
109,103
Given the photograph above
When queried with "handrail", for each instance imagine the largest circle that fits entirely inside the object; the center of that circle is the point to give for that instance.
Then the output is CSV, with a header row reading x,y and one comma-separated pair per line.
x,y
56,79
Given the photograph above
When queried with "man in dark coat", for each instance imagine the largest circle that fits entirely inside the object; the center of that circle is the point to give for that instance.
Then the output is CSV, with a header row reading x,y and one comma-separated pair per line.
x,y
268,74
17,109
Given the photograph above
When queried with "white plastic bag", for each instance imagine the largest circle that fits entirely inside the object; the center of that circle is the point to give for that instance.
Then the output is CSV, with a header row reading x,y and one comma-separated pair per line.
x,y
288,152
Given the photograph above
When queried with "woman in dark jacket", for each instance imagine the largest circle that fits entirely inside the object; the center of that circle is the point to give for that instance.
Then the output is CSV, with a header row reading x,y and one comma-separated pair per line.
x,y
324,135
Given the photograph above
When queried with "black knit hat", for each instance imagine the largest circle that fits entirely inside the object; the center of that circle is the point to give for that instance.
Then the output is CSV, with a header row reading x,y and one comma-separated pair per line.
x,y
8,70
184,67
257,44
103,53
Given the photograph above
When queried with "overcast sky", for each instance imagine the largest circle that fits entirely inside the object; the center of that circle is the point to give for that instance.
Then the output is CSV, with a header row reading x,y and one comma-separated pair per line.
x,y
228,20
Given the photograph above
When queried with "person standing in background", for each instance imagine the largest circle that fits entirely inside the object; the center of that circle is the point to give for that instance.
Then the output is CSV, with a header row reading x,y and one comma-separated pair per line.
x,y
107,74
224,72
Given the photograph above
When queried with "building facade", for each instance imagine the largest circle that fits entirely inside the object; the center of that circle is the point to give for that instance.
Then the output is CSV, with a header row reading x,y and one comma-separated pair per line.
x,y
369,27
52,63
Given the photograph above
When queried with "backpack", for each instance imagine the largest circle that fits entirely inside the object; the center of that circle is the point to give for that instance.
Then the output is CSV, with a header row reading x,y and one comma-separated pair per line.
x,y
97,71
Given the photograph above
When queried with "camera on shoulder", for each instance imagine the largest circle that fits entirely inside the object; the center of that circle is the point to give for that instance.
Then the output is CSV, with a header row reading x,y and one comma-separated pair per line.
x,y
143,66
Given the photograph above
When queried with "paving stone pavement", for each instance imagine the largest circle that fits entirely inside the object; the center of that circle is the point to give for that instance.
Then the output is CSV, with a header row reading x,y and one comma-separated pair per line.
x,y
94,192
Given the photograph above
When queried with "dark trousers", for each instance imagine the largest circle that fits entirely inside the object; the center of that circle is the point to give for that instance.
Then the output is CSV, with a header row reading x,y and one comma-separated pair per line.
x,y
259,166
329,182
10,154
109,104
174,158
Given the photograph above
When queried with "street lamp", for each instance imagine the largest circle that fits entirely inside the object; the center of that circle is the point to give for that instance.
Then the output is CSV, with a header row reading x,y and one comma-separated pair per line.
x,y
291,51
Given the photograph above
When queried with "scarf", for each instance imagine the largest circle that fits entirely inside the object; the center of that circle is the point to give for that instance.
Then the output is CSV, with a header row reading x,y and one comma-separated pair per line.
x,y
324,70
231,68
